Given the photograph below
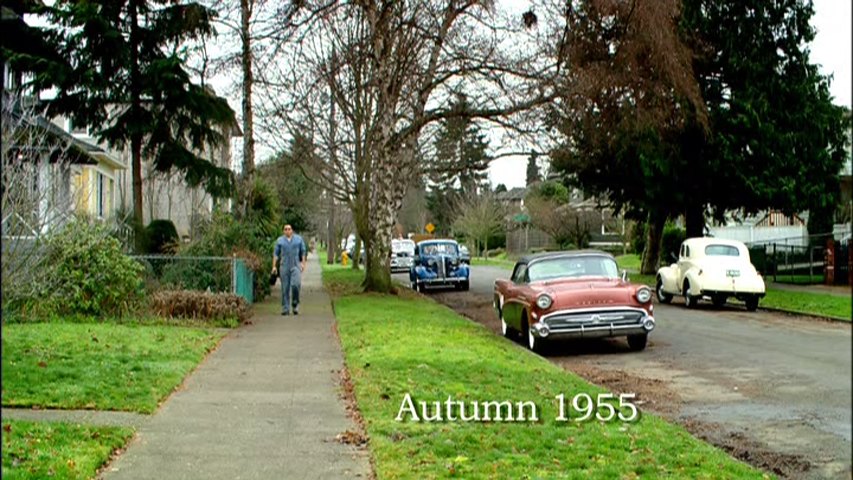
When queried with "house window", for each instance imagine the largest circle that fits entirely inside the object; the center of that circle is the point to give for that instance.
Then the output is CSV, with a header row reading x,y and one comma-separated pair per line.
x,y
101,194
8,78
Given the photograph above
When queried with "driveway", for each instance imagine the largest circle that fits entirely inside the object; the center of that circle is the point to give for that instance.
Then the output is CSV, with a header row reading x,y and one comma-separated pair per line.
x,y
772,389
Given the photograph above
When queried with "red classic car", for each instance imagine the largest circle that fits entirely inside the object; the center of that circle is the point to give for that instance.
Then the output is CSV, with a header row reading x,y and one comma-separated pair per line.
x,y
572,294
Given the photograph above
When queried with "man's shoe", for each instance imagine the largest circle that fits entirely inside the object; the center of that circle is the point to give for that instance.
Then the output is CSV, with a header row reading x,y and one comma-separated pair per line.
x,y
296,310
285,313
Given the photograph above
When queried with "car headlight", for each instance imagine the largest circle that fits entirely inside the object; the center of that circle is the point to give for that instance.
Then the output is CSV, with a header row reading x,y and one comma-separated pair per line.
x,y
644,295
544,301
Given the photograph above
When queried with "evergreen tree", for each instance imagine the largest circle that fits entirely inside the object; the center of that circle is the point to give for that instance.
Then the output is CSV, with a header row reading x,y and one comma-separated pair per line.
x,y
533,175
124,78
764,133
460,160
458,168
777,141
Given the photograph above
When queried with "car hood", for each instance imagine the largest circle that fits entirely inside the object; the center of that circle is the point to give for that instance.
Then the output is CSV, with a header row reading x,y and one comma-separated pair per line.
x,y
587,292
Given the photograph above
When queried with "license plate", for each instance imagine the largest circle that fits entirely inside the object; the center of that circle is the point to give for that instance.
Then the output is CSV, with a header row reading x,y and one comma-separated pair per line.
x,y
732,273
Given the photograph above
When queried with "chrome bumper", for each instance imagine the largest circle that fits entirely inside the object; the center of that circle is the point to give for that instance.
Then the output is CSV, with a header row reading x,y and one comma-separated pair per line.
x,y
644,327
441,281
401,266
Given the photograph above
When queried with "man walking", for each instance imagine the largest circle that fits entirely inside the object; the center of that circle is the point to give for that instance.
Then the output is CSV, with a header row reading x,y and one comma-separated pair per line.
x,y
289,259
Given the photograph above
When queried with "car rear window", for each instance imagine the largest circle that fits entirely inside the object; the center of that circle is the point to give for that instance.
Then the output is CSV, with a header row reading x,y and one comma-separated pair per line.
x,y
722,250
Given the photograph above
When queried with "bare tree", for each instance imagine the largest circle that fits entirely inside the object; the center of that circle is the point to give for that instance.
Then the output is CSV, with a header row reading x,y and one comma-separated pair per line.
x,y
564,223
480,217
390,69
39,194
254,25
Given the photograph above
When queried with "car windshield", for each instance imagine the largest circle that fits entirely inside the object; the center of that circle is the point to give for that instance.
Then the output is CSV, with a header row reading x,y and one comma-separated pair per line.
x,y
722,250
573,267
438,249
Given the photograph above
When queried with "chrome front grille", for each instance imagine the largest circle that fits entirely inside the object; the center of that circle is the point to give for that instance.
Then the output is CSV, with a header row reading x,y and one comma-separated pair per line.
x,y
590,318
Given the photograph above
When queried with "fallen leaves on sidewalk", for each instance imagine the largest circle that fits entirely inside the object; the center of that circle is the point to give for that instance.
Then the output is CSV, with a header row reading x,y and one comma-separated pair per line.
x,y
350,437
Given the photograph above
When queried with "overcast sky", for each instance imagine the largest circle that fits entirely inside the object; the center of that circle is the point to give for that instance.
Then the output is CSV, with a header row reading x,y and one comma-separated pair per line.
x,y
831,50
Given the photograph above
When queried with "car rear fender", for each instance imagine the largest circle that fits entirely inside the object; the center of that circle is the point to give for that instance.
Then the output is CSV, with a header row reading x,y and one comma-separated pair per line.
x,y
692,276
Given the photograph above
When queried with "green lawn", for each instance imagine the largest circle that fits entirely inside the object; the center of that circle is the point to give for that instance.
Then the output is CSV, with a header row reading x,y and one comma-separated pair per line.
x,y
98,366
500,261
37,450
630,262
798,279
407,344
810,303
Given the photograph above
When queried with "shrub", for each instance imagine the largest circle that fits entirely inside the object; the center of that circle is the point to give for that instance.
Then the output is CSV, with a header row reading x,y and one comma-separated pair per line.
x,y
224,236
196,274
671,242
206,306
85,273
264,208
161,237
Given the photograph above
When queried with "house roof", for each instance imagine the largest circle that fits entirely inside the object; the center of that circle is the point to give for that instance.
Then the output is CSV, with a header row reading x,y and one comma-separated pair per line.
x,y
77,152
99,153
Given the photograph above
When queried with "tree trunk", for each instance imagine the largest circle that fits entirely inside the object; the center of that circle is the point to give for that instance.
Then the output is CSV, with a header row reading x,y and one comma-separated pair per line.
x,y
331,246
136,136
381,215
651,254
356,252
360,218
248,123
694,219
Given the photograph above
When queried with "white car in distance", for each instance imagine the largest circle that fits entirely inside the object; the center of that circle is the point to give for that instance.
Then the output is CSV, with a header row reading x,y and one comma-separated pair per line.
x,y
711,268
402,254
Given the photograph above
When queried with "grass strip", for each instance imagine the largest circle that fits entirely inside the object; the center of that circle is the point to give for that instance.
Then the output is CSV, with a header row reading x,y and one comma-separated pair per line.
x,y
98,366
629,262
809,303
407,344
493,262
38,450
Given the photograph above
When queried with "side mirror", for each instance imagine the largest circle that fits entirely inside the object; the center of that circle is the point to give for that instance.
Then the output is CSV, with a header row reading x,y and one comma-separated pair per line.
x,y
624,275
672,257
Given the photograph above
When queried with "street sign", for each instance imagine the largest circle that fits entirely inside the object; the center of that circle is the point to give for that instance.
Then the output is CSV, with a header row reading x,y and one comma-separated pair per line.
x,y
430,228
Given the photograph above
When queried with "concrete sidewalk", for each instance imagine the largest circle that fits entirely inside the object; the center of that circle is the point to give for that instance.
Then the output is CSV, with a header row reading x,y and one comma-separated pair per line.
x,y
264,405
89,417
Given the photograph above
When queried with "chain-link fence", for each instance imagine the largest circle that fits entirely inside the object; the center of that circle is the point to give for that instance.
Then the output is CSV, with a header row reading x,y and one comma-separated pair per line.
x,y
212,274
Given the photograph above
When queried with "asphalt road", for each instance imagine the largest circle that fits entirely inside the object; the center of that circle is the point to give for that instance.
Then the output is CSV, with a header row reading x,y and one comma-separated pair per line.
x,y
772,389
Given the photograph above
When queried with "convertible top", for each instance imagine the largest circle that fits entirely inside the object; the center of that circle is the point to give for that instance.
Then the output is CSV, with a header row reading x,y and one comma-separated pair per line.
x,y
565,253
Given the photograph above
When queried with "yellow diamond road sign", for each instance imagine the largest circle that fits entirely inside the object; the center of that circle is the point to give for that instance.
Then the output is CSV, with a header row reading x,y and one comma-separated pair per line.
x,y
430,228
